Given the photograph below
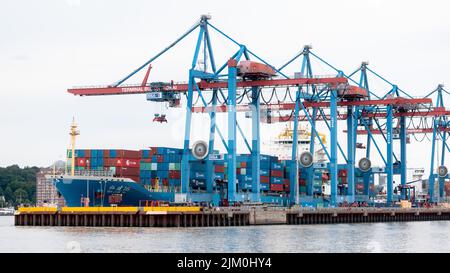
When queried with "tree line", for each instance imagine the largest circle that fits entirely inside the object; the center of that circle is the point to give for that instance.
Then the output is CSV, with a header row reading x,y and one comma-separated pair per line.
x,y
17,185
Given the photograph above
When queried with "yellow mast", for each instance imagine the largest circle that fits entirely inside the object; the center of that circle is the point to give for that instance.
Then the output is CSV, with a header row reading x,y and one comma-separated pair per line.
x,y
74,132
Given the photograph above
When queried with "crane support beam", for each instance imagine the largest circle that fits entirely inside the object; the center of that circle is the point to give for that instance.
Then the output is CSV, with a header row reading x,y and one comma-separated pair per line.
x,y
389,157
435,112
398,102
438,111
408,131
203,85
334,139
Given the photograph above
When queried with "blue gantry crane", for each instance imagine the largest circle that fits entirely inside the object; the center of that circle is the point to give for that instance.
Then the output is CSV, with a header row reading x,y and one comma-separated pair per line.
x,y
248,83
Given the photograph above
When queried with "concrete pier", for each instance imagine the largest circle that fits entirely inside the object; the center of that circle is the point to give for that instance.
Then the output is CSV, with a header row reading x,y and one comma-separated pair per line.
x,y
364,215
131,217
198,217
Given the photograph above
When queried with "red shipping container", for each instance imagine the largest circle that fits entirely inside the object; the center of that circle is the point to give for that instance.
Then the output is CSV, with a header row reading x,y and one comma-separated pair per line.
x,y
264,179
174,174
286,181
342,173
276,173
80,162
153,182
165,182
359,187
160,158
127,171
132,163
243,164
276,187
127,162
219,169
344,179
302,182
107,162
127,154
87,153
133,177
105,153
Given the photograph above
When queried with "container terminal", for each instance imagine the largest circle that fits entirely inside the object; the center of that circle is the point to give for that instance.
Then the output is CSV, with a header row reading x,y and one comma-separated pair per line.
x,y
196,185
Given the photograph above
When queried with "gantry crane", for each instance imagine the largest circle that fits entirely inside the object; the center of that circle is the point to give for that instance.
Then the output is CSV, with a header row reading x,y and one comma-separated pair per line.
x,y
315,99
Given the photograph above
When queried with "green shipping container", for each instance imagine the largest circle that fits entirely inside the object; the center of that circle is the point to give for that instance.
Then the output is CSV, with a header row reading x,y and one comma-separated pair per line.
x,y
303,189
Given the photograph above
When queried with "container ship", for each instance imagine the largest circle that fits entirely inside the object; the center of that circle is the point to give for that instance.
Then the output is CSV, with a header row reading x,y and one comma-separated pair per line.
x,y
118,177
138,178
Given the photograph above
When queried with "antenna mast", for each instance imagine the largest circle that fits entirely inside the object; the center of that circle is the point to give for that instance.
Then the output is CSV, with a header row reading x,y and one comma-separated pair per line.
x,y
74,132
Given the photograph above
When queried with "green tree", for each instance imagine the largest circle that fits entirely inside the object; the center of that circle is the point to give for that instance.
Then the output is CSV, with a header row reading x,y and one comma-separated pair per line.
x,y
14,178
9,194
20,196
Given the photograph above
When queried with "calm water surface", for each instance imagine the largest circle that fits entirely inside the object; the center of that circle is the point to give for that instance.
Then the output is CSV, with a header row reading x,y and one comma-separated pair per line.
x,y
378,237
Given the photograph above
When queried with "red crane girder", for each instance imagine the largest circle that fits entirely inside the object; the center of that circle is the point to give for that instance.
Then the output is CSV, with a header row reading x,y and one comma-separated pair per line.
x,y
408,131
203,85
435,112
398,102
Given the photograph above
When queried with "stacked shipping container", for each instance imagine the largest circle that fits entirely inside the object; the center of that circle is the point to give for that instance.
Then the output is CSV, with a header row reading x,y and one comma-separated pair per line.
x,y
161,167
122,163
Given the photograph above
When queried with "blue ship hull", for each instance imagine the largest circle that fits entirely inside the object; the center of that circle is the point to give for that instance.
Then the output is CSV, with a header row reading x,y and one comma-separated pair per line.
x,y
99,190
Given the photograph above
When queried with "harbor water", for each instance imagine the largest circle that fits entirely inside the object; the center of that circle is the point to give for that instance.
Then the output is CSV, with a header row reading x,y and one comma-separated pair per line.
x,y
374,237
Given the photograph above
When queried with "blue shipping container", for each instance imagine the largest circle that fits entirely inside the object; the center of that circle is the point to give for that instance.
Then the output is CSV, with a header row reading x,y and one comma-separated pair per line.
x,y
79,153
244,178
265,165
162,167
162,174
276,166
198,175
245,185
219,176
100,161
198,183
174,183
145,153
94,161
276,180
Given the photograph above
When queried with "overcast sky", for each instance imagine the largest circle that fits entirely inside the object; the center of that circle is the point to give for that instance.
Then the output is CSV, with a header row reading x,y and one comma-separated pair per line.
x,y
49,46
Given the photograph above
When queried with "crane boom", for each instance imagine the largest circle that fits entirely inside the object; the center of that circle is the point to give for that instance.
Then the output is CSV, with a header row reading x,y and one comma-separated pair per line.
x,y
203,85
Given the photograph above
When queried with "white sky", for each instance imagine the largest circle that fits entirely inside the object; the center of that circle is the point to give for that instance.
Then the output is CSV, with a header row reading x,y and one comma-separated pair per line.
x,y
48,46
